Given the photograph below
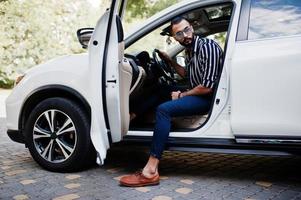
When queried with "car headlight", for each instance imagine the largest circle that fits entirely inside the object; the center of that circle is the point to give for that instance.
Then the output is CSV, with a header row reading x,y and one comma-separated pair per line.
x,y
18,79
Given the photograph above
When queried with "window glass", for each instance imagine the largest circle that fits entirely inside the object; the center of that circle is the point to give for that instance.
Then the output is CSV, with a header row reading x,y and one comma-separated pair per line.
x,y
152,41
274,18
138,11
218,13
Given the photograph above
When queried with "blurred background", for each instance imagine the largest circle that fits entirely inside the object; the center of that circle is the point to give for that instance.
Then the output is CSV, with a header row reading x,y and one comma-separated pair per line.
x,y
34,31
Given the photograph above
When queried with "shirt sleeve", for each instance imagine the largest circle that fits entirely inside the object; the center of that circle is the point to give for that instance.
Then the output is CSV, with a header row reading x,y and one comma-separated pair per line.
x,y
210,57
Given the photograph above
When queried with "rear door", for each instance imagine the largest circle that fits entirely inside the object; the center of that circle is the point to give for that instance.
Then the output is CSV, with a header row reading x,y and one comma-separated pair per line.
x,y
266,71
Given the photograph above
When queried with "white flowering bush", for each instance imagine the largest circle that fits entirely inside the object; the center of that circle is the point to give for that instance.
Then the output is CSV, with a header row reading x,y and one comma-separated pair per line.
x,y
34,31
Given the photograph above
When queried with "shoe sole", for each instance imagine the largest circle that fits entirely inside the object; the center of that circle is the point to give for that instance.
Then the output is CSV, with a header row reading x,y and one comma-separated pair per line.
x,y
140,185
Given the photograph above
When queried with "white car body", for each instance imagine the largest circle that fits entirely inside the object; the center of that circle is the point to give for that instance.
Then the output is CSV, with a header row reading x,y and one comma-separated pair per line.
x,y
247,101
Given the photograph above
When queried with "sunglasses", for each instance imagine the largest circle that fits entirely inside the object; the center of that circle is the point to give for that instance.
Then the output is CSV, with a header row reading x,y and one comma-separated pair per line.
x,y
180,34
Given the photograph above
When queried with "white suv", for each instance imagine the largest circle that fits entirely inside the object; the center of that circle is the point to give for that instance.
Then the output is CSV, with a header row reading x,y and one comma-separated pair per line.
x,y
70,110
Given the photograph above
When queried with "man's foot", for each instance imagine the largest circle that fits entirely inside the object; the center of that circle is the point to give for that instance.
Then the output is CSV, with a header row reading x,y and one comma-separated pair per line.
x,y
138,179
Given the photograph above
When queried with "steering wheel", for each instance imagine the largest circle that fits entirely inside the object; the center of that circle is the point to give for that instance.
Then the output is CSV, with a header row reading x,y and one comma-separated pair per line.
x,y
164,68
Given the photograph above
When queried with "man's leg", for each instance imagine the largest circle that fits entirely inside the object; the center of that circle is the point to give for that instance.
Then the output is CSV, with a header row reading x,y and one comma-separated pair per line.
x,y
188,105
152,99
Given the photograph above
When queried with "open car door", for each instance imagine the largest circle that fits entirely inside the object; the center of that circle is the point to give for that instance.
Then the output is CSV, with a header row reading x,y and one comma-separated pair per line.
x,y
110,82
117,76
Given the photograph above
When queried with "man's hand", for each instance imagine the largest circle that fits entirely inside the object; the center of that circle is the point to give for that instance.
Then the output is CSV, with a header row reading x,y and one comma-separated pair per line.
x,y
164,56
175,95
179,69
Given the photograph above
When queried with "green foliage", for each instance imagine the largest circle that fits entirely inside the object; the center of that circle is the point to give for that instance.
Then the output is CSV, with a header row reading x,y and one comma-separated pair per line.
x,y
136,8
5,82
34,31
160,5
145,8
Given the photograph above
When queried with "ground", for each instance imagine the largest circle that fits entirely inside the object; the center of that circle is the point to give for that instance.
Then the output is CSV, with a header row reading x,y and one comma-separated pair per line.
x,y
184,175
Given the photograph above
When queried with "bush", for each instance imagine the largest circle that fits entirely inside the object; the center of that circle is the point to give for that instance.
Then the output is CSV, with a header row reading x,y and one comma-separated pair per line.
x,y
34,31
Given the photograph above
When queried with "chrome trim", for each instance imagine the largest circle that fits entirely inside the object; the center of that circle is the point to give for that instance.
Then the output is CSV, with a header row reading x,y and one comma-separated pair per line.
x,y
268,141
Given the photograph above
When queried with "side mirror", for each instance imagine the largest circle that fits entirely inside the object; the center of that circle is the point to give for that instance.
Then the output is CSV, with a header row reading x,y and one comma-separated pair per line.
x,y
180,60
84,35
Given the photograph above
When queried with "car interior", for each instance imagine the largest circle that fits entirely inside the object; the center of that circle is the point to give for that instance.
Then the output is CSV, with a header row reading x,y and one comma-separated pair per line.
x,y
150,72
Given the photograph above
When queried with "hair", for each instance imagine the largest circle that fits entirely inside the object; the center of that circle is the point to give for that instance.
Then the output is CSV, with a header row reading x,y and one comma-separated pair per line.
x,y
175,21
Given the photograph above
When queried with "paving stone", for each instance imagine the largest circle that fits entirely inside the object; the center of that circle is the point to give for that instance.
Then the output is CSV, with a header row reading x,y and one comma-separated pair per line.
x,y
162,198
287,195
27,182
15,172
6,167
142,189
7,162
72,177
163,177
187,181
264,194
118,178
21,197
72,185
264,183
67,197
214,176
184,190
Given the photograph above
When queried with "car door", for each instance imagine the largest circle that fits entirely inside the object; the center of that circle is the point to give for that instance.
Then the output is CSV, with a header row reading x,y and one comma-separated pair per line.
x,y
117,77
266,72
110,81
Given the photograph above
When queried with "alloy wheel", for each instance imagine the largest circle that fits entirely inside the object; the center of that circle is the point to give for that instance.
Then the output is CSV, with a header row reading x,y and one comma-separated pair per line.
x,y
54,136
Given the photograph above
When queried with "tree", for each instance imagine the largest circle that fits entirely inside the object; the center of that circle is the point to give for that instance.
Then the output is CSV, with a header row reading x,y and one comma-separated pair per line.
x,y
145,8
34,31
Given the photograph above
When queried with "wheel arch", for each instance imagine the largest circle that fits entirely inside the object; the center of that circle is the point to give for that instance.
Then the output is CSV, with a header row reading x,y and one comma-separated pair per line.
x,y
49,91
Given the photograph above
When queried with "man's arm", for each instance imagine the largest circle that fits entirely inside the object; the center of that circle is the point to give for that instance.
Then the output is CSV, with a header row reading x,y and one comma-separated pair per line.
x,y
211,56
198,90
179,69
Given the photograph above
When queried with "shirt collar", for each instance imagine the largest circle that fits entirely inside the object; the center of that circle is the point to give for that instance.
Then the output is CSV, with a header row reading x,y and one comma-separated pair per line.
x,y
193,47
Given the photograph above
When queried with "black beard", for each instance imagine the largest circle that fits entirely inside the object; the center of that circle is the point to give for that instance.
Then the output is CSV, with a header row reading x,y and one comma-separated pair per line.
x,y
186,45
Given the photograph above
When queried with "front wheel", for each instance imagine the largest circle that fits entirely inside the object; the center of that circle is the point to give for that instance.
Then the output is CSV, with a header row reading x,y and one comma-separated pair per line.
x,y
57,134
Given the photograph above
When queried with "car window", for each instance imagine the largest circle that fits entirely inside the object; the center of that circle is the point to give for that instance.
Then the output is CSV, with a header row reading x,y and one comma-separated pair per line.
x,y
218,13
207,21
274,18
151,41
138,11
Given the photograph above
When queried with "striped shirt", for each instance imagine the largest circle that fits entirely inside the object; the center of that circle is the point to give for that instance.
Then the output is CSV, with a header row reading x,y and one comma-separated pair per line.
x,y
204,62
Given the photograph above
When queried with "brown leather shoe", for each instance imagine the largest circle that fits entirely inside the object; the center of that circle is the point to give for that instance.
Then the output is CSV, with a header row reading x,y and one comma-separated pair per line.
x,y
138,180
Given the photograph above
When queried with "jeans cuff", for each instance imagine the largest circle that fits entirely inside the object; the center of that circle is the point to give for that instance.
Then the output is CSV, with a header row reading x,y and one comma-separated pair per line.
x,y
155,155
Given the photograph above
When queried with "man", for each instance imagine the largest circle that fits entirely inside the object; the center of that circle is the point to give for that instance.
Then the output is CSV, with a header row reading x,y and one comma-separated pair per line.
x,y
204,61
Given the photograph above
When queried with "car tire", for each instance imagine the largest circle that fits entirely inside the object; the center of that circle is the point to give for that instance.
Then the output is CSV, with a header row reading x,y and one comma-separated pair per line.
x,y
57,134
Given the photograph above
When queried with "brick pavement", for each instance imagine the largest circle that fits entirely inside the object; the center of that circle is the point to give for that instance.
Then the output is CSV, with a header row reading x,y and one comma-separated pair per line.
x,y
184,176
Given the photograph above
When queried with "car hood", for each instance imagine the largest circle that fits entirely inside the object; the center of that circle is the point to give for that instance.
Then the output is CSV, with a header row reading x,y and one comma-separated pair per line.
x,y
72,63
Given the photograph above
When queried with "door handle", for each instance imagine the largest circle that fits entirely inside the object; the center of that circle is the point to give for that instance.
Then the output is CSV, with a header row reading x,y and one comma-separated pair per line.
x,y
112,81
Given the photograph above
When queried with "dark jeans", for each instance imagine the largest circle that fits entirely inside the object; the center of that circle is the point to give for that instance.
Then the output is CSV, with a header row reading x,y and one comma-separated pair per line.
x,y
185,106
151,97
